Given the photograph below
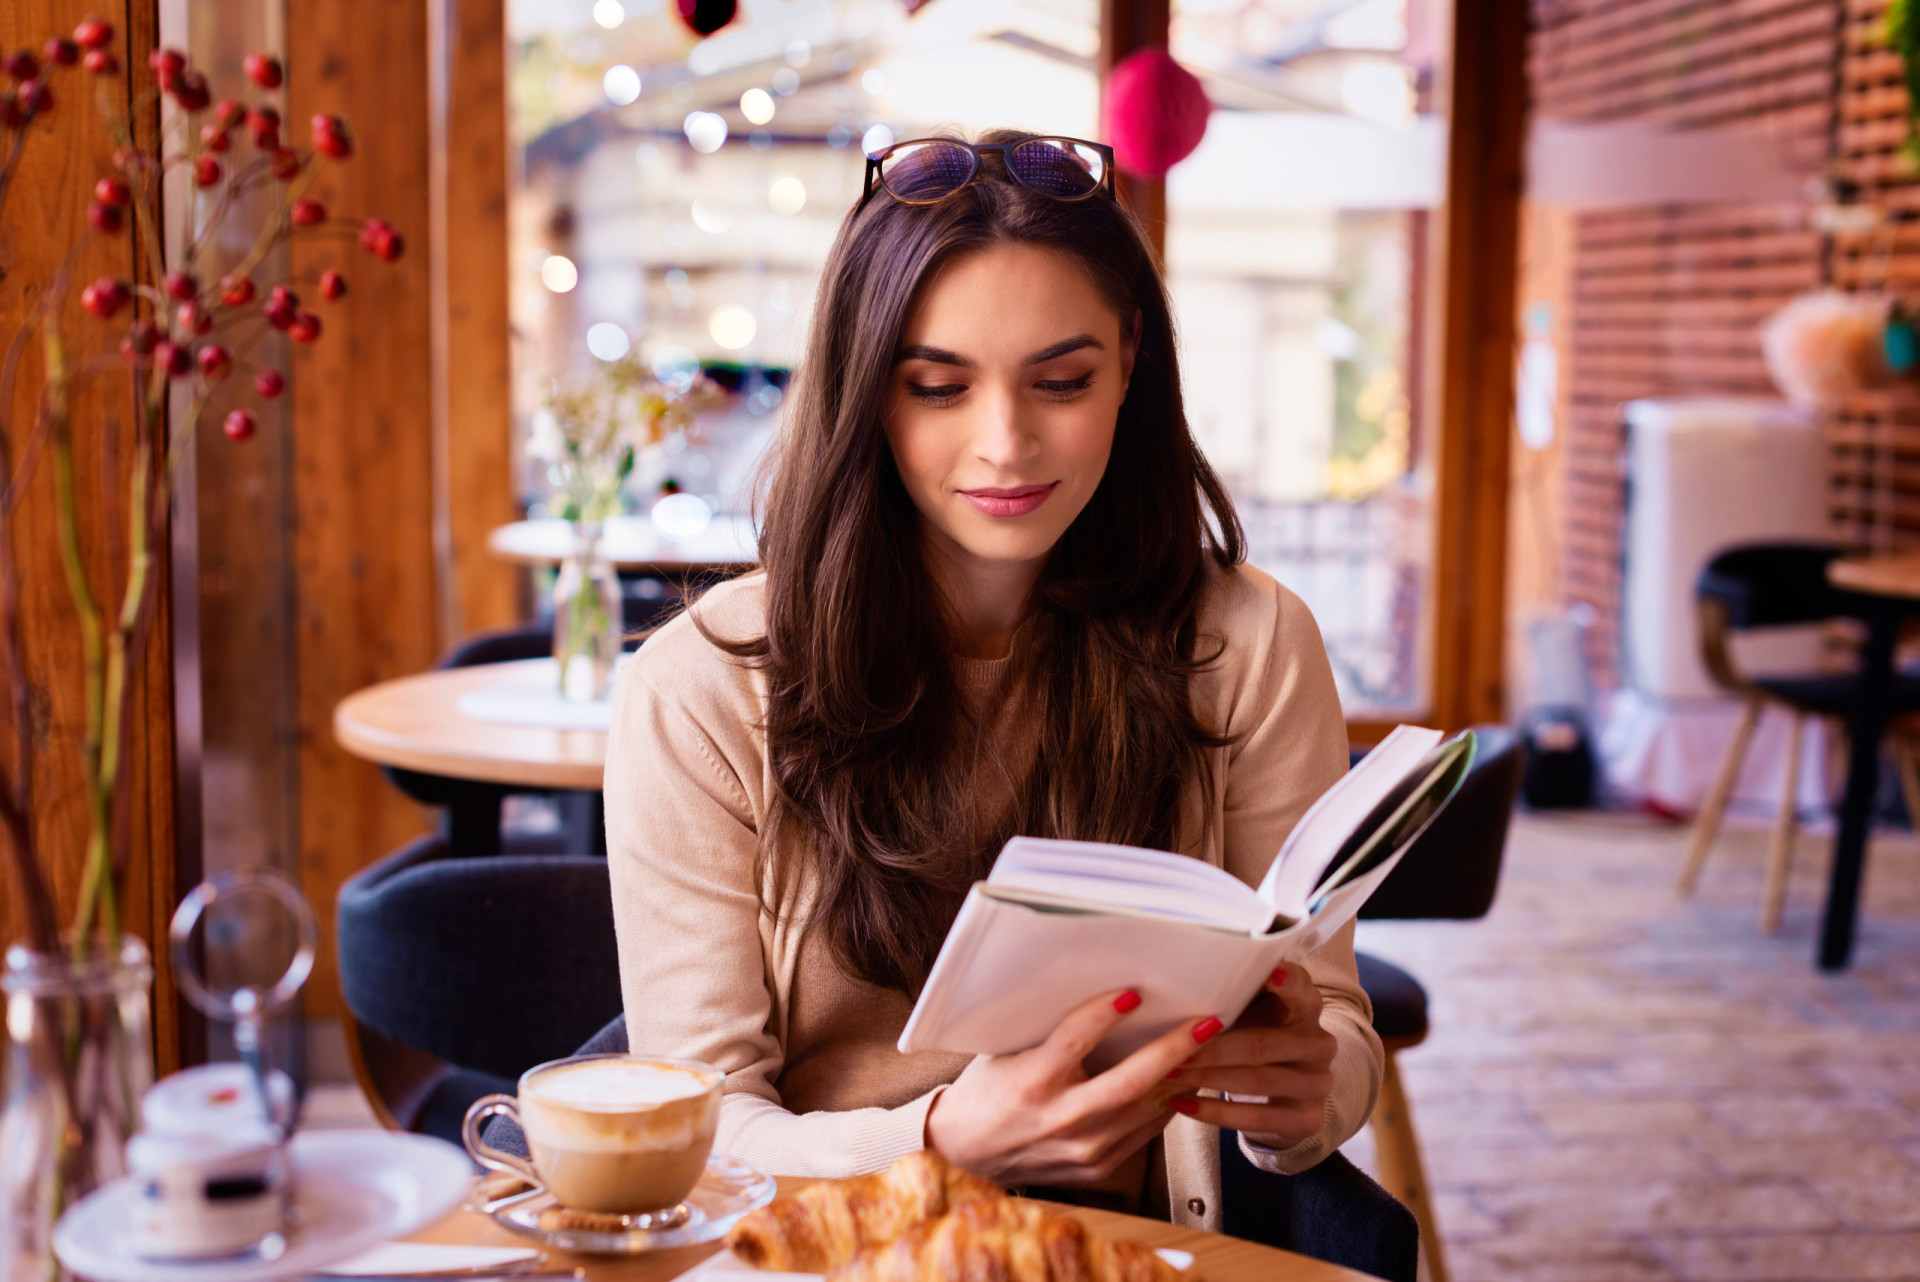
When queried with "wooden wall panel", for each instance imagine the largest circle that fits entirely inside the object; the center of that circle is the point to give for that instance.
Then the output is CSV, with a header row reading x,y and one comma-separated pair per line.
x,y
362,414
43,218
1873,442
1667,300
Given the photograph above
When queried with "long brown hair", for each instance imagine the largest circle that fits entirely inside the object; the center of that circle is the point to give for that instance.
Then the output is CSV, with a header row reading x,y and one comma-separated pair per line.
x,y
863,711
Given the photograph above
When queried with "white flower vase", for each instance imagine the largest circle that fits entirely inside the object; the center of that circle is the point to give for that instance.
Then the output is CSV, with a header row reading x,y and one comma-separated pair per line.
x,y
586,618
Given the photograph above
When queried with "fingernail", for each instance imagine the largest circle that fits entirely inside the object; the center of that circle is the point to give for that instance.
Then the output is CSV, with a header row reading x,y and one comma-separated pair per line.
x,y
1206,1029
1279,977
1188,1060
1184,1104
1126,1001
1174,1074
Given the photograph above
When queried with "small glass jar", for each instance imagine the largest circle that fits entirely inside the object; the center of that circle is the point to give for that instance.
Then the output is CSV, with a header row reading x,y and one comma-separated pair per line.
x,y
586,618
79,1050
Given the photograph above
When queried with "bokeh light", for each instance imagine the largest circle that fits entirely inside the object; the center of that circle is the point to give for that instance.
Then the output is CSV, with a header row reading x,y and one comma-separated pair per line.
x,y
786,195
756,104
559,274
877,139
733,327
609,13
608,341
706,131
621,84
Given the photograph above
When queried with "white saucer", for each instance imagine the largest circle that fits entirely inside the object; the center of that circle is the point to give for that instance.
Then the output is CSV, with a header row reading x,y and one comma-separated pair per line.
x,y
729,1189
351,1190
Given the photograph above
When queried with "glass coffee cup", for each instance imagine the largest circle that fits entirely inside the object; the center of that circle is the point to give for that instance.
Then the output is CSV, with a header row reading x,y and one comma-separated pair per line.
x,y
619,1134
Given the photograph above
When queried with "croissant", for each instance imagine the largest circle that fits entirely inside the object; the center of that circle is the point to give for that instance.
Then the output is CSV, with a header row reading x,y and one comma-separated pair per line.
x,y
1006,1240
826,1224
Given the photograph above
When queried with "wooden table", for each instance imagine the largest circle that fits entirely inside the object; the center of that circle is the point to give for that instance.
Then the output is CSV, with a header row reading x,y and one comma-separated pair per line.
x,y
1216,1258
632,543
1889,588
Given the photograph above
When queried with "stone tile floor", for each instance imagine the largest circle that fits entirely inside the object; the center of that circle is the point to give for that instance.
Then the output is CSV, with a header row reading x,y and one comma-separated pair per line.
x,y
1622,1086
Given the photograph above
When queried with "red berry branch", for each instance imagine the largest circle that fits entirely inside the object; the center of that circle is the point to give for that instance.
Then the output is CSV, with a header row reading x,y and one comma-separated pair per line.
x,y
201,323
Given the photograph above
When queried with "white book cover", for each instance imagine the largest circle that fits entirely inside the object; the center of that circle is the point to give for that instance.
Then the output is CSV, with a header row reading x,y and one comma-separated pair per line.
x,y
1058,921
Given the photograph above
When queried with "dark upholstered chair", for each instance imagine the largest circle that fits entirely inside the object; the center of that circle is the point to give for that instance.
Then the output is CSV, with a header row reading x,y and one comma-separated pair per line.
x,y
1450,873
1332,1212
460,974
1770,585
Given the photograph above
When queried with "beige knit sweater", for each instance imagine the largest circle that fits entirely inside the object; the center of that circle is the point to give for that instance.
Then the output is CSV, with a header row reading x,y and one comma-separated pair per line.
x,y
814,1084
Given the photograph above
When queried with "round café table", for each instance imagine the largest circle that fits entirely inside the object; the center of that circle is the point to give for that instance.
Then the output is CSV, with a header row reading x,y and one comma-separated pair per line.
x,y
1888,588
1216,1258
417,723
634,544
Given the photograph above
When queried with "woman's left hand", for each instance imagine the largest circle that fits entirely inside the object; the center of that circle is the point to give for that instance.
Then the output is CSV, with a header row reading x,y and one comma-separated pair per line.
x,y
1277,1050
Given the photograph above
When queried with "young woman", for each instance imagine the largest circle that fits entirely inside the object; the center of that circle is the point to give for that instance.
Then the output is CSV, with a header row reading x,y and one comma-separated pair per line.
x,y
1002,593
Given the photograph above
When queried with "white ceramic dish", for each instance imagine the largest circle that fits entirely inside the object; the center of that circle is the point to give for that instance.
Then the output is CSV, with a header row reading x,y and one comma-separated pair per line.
x,y
352,1189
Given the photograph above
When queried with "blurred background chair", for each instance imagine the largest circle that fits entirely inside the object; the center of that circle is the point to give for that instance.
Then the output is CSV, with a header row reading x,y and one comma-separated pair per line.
x,y
1770,585
1451,872
461,973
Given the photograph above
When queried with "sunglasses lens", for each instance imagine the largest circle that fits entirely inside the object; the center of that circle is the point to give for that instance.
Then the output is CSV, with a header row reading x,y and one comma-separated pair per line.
x,y
918,172
1058,167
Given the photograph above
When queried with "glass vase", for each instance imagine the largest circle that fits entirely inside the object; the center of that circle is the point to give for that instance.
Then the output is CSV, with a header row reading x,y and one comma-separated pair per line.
x,y
79,1057
586,618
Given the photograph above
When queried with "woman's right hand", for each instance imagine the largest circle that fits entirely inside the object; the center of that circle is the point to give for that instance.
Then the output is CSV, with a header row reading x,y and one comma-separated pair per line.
x,y
1036,1117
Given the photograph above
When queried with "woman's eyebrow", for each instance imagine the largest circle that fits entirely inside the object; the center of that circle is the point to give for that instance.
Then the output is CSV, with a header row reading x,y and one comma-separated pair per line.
x,y
941,356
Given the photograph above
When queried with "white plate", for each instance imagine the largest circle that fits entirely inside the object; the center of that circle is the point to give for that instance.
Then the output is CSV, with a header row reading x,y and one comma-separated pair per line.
x,y
351,1190
729,1189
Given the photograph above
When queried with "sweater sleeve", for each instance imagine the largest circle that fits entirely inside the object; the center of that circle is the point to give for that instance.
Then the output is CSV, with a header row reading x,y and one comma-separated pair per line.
x,y
1291,747
695,981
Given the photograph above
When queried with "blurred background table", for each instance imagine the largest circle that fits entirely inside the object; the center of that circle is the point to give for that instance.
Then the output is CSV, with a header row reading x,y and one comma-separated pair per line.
x,y
1893,584
634,545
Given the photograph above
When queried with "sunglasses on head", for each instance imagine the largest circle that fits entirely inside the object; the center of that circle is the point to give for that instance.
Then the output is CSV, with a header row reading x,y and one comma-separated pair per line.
x,y
922,171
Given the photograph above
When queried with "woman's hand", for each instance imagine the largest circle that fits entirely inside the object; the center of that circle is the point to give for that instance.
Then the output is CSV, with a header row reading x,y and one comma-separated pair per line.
x,y
1277,1050
1037,1118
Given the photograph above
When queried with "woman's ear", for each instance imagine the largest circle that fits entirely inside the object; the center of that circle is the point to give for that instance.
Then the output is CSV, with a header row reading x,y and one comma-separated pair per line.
x,y
1130,348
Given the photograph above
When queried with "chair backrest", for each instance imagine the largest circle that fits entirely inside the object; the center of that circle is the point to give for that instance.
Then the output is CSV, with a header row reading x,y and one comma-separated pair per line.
x,y
502,645
494,964
1454,867
1766,585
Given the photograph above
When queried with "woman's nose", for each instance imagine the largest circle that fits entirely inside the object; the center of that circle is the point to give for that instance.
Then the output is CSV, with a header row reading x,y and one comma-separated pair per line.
x,y
1003,436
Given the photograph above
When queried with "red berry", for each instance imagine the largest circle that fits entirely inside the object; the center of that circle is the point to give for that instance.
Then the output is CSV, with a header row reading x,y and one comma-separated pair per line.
x,y
305,327
184,286
126,159
34,97
101,63
264,70
214,138
279,313
61,51
167,62
308,213
263,123
190,90
227,113
285,163
175,358
113,191
239,425
236,291
21,65
94,32
331,138
105,297
193,319
105,218
206,171
378,238
215,362
333,286
269,383
282,294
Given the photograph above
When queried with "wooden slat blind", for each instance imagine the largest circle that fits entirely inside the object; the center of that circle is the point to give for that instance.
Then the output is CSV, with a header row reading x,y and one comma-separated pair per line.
x,y
1667,299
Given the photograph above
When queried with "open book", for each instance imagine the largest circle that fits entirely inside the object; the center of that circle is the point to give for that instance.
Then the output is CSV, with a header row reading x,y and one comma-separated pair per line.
x,y
1059,921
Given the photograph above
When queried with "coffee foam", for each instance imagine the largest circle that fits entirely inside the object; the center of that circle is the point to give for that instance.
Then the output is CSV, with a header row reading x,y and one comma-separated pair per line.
x,y
617,1085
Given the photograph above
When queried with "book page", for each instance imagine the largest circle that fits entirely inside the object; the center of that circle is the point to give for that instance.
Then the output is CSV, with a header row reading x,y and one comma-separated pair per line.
x,y
1141,882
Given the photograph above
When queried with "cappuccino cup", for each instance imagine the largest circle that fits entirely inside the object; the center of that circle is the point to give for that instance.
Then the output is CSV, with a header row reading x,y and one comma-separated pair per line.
x,y
623,1135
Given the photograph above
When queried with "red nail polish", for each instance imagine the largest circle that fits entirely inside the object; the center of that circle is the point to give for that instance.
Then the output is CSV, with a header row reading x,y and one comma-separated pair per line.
x,y
1126,1001
1186,1105
1207,1029
1279,977
1188,1060
1174,1074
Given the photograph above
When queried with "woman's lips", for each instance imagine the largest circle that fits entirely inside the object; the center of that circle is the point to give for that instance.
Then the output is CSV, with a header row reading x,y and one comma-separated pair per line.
x,y
1017,501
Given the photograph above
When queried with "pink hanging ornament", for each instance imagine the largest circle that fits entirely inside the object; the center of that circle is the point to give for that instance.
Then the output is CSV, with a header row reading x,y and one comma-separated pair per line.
x,y
1156,112
704,17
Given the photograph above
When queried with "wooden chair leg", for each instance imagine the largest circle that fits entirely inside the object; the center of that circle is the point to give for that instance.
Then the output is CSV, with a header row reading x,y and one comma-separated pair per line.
x,y
1908,769
1397,1154
1708,821
1773,899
